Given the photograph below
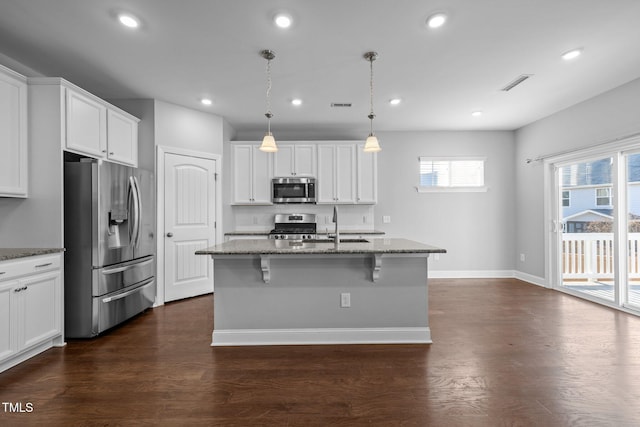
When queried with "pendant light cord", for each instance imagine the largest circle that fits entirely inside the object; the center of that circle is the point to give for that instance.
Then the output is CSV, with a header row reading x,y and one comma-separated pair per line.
x,y
268,86
371,86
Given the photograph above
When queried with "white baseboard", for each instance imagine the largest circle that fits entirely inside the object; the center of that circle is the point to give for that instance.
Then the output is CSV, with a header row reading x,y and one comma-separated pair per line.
x,y
242,337
471,274
489,274
530,278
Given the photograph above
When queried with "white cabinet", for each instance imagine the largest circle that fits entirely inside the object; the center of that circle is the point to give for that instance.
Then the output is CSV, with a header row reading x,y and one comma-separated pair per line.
x,y
7,341
366,177
252,171
86,125
231,237
13,134
295,159
30,307
122,138
336,173
100,130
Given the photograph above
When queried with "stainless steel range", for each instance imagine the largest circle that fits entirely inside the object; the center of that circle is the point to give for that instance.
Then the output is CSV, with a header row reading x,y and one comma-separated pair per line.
x,y
294,227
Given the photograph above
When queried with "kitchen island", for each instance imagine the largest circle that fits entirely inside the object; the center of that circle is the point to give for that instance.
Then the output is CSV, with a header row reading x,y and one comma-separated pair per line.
x,y
271,292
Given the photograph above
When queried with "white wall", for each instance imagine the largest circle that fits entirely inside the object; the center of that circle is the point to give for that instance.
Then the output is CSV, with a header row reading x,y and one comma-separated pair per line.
x,y
182,127
476,229
603,118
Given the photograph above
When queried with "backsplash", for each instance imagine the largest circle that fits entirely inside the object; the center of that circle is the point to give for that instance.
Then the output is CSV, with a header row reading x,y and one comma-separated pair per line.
x,y
260,218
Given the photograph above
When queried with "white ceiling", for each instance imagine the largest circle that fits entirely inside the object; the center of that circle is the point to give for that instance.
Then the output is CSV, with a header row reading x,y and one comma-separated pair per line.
x,y
187,49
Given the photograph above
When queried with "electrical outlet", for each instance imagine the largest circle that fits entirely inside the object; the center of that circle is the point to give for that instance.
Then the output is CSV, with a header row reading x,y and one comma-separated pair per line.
x,y
364,219
386,219
522,257
255,220
345,300
436,257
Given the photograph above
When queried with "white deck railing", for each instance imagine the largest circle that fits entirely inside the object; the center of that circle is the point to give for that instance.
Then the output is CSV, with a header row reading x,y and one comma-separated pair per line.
x,y
590,256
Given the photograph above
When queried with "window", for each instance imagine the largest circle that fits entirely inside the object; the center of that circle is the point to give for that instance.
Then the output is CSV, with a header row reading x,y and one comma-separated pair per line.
x,y
566,198
451,174
603,196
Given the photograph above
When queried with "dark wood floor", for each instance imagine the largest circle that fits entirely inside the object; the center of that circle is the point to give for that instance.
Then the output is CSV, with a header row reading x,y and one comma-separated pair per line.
x,y
505,353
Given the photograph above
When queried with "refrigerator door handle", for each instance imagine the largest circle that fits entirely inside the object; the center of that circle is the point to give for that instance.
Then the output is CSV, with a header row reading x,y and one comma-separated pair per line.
x,y
126,294
139,217
135,196
126,267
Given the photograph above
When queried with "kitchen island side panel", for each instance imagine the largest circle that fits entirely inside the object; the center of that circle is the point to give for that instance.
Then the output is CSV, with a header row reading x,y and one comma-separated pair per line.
x,y
304,292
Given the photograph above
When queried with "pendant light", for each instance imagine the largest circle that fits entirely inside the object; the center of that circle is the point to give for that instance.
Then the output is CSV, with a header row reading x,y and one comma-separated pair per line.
x,y
371,145
268,142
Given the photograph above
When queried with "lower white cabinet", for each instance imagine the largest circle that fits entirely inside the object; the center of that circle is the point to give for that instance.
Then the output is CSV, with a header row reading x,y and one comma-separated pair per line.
x,y
30,307
231,237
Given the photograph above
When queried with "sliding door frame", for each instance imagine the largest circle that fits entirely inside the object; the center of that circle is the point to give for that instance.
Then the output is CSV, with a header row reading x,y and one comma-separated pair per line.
x,y
618,151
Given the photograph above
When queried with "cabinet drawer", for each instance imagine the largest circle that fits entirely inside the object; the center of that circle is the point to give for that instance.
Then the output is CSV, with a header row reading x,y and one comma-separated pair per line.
x,y
30,265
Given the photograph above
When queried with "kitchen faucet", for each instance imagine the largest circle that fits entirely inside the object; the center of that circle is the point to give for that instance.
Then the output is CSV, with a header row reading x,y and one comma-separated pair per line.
x,y
335,220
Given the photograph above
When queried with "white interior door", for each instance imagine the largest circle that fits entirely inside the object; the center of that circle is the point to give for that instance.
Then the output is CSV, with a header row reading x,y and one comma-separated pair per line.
x,y
189,224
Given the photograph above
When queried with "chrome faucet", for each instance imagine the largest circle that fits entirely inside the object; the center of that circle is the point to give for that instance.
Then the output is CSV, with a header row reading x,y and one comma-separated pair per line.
x,y
335,220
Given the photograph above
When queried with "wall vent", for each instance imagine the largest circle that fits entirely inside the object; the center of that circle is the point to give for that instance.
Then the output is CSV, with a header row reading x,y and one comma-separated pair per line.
x,y
340,104
516,82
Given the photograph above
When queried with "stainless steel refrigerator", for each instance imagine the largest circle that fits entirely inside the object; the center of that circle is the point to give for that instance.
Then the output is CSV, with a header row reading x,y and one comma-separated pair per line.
x,y
109,244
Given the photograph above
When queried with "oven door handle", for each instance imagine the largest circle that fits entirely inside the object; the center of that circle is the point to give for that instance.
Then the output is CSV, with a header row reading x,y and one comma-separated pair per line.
x,y
126,294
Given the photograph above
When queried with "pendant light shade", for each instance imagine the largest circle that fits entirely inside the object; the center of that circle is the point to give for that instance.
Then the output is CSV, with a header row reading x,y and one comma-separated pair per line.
x,y
371,145
268,142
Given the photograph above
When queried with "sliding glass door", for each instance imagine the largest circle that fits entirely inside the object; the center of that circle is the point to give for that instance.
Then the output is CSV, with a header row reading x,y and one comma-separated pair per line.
x,y
596,211
632,178
587,218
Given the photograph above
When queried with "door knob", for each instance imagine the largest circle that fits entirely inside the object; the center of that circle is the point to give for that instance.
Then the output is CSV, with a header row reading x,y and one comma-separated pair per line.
x,y
169,234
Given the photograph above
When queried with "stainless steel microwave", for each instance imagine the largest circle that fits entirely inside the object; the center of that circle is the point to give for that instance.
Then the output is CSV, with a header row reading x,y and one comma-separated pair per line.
x,y
293,190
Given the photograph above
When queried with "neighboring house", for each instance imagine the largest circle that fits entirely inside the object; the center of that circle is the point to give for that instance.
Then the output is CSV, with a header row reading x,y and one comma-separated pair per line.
x,y
587,195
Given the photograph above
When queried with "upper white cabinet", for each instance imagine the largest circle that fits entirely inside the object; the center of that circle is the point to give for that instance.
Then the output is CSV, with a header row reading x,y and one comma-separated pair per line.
x,y
366,177
252,171
295,159
336,173
13,134
122,138
86,125
100,130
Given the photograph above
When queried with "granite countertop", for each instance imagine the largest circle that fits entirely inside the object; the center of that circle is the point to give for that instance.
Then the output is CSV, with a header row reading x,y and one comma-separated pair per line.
x,y
13,253
372,246
319,232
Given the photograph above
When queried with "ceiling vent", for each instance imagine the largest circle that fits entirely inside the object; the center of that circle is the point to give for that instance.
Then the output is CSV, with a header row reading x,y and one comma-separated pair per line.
x,y
340,104
516,82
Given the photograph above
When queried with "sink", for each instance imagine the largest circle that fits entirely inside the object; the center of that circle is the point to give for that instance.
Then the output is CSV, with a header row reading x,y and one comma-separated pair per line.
x,y
331,241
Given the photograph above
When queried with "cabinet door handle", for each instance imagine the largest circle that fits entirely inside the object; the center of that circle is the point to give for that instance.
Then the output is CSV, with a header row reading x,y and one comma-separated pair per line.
x,y
2,272
24,288
43,265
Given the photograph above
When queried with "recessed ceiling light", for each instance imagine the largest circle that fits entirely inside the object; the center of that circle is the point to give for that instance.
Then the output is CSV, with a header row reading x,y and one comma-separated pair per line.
x,y
476,113
206,101
128,20
572,54
283,20
395,101
296,101
436,20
